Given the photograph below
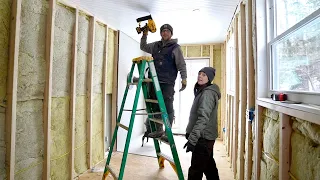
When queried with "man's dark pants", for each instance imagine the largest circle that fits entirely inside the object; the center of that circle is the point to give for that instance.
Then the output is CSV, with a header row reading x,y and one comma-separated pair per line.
x,y
202,161
168,96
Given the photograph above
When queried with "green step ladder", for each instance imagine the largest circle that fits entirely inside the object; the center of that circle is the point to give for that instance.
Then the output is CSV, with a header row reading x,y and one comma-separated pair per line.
x,y
142,62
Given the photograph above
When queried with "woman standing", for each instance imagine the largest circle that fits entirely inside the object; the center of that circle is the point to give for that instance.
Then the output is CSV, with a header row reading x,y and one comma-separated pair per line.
x,y
202,129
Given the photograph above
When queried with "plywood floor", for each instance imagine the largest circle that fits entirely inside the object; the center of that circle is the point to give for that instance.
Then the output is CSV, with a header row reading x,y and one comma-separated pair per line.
x,y
146,168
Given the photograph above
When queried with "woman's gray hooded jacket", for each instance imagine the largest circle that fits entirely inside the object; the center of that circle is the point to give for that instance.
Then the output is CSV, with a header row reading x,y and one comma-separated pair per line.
x,y
203,120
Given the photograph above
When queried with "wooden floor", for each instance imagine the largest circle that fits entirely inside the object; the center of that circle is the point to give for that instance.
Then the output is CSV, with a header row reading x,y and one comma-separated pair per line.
x,y
146,168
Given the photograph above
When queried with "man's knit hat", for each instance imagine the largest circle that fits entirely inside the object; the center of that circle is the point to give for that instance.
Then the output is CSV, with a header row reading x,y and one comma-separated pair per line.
x,y
210,72
166,26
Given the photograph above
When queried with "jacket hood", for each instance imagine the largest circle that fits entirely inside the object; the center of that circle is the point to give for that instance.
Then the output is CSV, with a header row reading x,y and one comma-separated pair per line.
x,y
215,89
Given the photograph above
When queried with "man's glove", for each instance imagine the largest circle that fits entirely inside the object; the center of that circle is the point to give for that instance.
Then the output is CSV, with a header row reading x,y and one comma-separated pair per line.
x,y
184,85
187,135
189,146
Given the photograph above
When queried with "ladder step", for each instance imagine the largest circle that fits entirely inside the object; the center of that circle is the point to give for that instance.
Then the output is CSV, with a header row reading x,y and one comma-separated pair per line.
x,y
111,172
135,83
136,109
156,113
123,126
166,157
147,80
160,139
156,120
151,100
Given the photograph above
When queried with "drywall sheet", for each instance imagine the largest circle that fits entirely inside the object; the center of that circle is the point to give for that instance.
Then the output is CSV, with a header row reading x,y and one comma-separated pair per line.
x,y
60,138
30,90
4,58
110,60
128,50
29,140
81,100
194,51
305,143
60,110
97,129
97,123
270,145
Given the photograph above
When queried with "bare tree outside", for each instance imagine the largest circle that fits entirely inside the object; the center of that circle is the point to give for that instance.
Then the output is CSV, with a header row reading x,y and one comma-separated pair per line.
x,y
296,58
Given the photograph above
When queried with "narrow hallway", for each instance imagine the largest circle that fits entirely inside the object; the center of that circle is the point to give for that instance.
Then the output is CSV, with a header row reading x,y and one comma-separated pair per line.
x,y
146,168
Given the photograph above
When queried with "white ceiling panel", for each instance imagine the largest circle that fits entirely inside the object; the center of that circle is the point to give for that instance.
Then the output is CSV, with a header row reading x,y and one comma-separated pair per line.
x,y
193,22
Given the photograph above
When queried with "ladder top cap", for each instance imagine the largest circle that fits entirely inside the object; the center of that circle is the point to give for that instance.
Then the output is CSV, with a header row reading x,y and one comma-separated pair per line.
x,y
141,58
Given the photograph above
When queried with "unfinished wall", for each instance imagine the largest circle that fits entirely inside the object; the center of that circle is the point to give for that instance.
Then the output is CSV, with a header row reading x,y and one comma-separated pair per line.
x,y
305,146
305,143
81,100
97,121
270,146
4,58
60,107
31,81
110,62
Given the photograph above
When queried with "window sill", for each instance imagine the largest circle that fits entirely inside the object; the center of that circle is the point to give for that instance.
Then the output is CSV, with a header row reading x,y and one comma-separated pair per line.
x,y
306,112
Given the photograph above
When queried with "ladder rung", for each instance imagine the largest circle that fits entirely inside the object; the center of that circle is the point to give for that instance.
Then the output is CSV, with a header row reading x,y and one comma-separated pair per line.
x,y
159,139
156,113
111,172
147,80
123,126
156,120
135,83
151,100
144,80
166,157
136,109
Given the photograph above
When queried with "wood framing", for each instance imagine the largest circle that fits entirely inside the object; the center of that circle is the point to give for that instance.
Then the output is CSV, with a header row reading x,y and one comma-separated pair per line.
x,y
115,86
211,63
229,132
223,88
258,140
250,87
285,146
236,99
201,50
243,89
48,89
73,91
231,129
11,107
104,89
89,89
301,111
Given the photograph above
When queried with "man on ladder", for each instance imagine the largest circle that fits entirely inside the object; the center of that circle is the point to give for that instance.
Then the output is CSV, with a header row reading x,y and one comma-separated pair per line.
x,y
168,60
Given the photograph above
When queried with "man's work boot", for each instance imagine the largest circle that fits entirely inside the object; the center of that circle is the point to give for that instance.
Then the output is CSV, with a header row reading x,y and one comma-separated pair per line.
x,y
158,133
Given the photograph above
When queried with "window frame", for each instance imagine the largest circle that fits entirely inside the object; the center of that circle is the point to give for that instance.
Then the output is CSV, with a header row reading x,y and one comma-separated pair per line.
x,y
272,38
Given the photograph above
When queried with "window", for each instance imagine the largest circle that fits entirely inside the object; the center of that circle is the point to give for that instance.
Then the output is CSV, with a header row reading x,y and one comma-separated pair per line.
x,y
290,12
295,49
